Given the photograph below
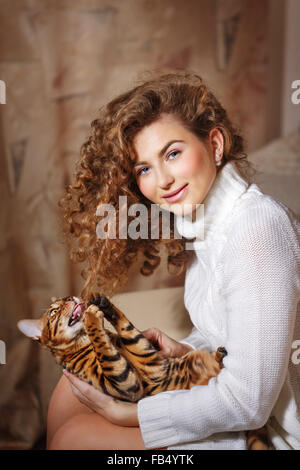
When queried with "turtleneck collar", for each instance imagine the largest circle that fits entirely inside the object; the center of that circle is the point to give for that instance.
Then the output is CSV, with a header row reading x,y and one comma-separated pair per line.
x,y
226,189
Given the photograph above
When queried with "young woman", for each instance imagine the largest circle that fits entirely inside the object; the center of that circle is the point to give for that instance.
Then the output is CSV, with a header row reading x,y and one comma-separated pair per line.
x,y
170,142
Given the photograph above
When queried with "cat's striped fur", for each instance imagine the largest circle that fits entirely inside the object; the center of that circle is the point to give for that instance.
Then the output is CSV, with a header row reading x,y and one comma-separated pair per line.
x,y
124,364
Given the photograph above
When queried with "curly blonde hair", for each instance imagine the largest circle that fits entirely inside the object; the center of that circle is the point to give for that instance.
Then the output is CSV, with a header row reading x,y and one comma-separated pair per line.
x,y
105,172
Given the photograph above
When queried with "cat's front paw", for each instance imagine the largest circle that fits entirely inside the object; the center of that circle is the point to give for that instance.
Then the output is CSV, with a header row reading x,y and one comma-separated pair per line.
x,y
91,314
92,309
106,306
98,300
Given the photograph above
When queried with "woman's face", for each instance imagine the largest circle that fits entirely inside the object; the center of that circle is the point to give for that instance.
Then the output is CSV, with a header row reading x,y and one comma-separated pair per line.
x,y
171,159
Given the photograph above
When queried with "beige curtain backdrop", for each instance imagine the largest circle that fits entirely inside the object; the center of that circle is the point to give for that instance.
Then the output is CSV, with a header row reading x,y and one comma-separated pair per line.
x,y
61,61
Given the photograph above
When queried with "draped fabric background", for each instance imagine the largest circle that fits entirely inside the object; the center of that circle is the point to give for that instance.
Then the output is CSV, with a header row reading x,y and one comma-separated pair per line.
x,y
60,62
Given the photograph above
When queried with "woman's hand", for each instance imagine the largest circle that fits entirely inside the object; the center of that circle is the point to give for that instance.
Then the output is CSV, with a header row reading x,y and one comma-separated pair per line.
x,y
169,347
119,412
115,411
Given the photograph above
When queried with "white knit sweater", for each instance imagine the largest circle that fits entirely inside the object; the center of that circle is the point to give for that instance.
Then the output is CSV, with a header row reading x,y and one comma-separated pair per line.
x,y
242,291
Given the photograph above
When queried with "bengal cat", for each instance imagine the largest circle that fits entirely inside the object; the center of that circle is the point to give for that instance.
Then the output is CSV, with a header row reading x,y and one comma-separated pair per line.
x,y
124,365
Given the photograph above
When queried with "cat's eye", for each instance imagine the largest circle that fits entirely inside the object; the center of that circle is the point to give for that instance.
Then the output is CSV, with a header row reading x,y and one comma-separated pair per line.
x,y
53,311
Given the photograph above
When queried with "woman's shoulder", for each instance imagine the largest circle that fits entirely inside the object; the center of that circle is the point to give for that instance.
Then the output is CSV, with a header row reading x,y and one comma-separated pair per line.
x,y
257,205
260,215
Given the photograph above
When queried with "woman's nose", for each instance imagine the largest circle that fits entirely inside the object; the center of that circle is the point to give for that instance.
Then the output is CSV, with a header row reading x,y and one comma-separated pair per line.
x,y
165,179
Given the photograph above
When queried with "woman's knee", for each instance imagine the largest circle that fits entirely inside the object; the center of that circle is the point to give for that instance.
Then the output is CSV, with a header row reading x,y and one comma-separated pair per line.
x,y
68,436
93,432
62,407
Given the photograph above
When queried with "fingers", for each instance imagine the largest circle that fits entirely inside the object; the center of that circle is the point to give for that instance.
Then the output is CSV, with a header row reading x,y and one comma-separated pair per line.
x,y
155,336
159,339
77,383
86,393
151,333
168,346
79,388
115,411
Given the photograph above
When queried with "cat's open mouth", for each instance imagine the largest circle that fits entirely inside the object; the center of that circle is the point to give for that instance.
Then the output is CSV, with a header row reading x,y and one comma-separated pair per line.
x,y
76,313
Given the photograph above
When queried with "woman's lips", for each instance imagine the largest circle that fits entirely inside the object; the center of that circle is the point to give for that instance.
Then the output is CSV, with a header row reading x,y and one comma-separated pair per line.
x,y
178,195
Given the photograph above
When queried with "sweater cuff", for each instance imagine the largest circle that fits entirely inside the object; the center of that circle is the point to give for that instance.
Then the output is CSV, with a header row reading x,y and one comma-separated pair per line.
x,y
155,423
189,344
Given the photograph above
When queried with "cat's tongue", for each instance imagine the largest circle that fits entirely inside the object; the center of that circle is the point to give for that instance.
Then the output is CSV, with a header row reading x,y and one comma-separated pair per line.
x,y
76,313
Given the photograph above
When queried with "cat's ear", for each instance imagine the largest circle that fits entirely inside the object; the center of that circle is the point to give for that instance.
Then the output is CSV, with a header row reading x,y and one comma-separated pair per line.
x,y
31,328
53,299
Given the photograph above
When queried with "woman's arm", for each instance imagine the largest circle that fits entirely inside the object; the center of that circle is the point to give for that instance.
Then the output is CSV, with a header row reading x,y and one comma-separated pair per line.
x,y
261,292
117,412
73,397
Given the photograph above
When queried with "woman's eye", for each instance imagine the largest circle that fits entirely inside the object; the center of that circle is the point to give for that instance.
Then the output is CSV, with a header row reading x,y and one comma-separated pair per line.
x,y
141,172
174,153
171,156
52,312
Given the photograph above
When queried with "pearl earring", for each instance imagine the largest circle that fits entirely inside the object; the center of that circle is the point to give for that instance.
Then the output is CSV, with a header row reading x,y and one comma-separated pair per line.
x,y
218,160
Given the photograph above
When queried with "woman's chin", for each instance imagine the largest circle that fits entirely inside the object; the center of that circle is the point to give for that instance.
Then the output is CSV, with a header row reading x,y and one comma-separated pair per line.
x,y
182,209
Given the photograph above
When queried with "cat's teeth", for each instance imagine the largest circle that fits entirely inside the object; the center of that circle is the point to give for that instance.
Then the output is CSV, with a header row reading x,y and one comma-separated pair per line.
x,y
76,314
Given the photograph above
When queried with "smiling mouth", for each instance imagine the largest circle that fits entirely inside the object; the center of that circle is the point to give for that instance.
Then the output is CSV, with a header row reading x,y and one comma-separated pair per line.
x,y
76,313
175,195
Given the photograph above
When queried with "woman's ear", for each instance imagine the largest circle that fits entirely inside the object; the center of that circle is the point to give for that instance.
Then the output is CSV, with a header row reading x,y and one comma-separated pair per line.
x,y
217,141
31,328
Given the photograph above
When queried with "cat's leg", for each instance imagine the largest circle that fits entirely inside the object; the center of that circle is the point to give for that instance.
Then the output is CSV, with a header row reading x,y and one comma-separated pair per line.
x,y
138,349
196,367
131,337
118,377
219,355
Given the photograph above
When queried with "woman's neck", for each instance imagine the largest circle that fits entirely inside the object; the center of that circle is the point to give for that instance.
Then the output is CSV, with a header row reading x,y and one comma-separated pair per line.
x,y
227,187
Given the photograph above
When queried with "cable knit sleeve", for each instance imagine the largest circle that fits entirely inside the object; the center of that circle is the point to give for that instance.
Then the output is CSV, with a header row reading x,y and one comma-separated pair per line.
x,y
260,288
196,340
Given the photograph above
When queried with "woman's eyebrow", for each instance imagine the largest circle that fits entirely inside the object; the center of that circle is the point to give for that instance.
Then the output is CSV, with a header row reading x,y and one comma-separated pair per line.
x,y
162,151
